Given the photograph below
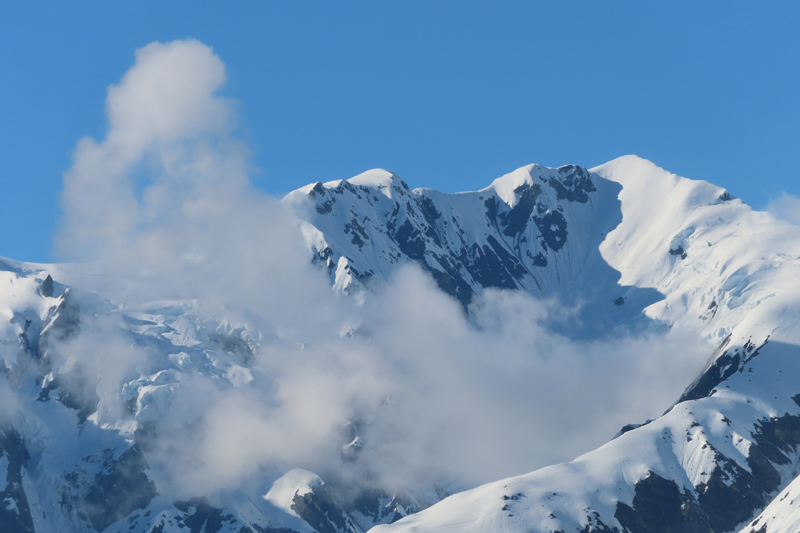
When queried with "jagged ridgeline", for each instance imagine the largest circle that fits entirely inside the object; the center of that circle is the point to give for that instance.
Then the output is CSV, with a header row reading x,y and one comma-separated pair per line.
x,y
629,245
538,230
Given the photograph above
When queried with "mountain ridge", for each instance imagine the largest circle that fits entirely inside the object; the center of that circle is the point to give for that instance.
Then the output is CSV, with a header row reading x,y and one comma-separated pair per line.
x,y
678,237
632,246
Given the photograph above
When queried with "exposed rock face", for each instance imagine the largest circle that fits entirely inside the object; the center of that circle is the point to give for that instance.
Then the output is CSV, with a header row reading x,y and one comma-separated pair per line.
x,y
660,506
15,513
62,323
483,240
377,507
536,229
47,286
319,509
123,489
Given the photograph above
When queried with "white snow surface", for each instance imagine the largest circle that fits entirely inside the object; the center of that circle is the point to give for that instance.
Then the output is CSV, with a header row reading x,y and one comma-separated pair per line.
x,y
782,515
680,252
294,482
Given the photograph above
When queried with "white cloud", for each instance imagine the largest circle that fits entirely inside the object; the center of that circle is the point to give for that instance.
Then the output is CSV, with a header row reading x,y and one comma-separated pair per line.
x,y
165,199
165,209
158,116
785,207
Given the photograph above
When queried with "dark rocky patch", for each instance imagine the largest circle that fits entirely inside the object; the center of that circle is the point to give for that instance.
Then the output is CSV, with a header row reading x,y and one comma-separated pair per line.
x,y
204,517
553,227
725,197
428,210
24,358
727,506
679,251
324,259
492,205
517,218
723,367
320,510
63,322
47,287
620,301
575,186
326,207
595,525
487,269
750,351
732,494
362,277
660,506
433,235
259,529
117,493
318,188
540,260
510,262
359,233
233,344
369,503
410,241
76,390
17,520
453,284
630,427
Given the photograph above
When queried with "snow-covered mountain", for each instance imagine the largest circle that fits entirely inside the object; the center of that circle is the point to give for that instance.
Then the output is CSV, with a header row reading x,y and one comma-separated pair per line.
x,y
628,244
71,461
624,237
536,229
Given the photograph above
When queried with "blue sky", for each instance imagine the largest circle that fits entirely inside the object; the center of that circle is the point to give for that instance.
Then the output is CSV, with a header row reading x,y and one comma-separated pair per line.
x,y
449,95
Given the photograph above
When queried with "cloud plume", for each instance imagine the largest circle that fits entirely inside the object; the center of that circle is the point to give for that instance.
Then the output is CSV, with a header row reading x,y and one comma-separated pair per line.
x,y
163,208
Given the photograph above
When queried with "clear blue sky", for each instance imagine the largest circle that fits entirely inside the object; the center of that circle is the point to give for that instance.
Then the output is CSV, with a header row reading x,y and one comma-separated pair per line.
x,y
446,94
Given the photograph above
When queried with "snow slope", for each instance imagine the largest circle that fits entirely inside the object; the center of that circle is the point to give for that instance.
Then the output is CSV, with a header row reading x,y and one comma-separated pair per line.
x,y
536,229
782,515
718,456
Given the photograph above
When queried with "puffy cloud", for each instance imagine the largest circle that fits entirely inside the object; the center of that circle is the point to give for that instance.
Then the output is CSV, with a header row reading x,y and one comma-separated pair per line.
x,y
158,117
164,208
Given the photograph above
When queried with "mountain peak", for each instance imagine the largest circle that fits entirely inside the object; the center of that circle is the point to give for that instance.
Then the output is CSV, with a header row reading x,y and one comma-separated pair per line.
x,y
376,177
379,179
632,167
505,186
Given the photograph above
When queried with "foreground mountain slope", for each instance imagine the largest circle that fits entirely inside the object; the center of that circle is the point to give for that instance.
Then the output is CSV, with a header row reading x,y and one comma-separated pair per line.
x,y
717,457
782,515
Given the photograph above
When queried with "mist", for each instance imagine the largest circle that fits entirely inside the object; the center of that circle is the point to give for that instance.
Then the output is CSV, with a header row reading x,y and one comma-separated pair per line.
x,y
163,209
785,207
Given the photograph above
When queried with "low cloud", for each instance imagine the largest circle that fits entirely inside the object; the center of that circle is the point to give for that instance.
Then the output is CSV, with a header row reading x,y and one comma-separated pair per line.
x,y
163,208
